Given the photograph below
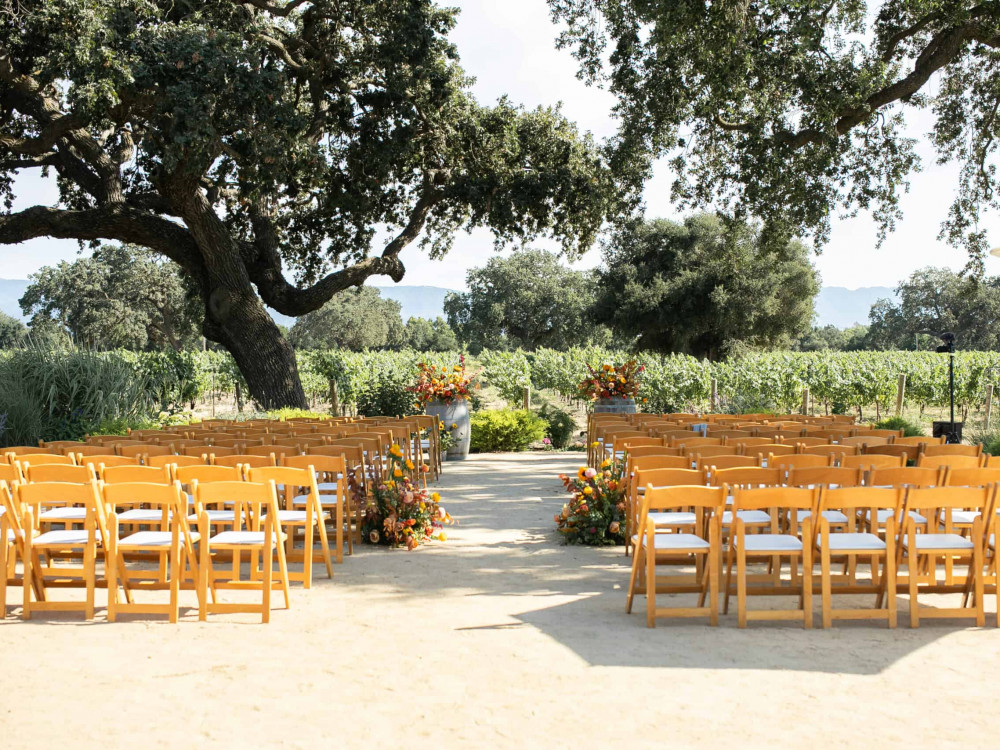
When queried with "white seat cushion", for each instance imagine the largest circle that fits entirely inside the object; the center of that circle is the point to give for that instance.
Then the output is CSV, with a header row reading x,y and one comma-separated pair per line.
x,y
68,538
771,543
964,517
63,514
673,518
884,514
152,539
147,515
833,516
750,517
993,541
215,515
294,516
939,541
239,537
853,541
679,541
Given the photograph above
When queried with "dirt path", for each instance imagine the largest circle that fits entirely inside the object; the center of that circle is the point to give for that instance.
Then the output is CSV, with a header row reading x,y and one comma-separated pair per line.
x,y
501,636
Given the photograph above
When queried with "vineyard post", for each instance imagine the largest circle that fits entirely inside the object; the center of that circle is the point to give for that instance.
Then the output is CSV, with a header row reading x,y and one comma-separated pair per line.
x,y
527,397
715,394
900,391
334,399
989,404
805,400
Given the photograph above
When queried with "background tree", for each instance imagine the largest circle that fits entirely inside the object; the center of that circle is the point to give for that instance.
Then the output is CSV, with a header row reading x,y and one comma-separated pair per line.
x,y
429,335
355,319
12,331
246,139
786,109
527,300
938,300
831,338
700,286
121,296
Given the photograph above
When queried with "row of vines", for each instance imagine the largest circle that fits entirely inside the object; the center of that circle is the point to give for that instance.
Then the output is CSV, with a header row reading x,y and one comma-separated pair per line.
x,y
369,382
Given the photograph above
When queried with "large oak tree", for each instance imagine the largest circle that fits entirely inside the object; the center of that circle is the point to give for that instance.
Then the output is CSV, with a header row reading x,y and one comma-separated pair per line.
x,y
279,151
789,109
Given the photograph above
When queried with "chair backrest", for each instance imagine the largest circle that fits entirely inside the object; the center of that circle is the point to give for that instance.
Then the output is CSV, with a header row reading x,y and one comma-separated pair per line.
x,y
954,449
668,477
918,440
747,476
971,477
652,450
910,452
829,435
291,479
700,497
37,459
11,473
852,498
640,463
56,446
330,466
790,498
806,442
207,450
948,498
952,461
135,474
868,461
710,450
164,496
59,473
170,460
635,442
730,435
40,495
141,451
830,450
748,442
799,461
767,450
992,461
107,460
246,461
825,476
20,450
204,473
908,476
724,462
873,432
248,500
862,440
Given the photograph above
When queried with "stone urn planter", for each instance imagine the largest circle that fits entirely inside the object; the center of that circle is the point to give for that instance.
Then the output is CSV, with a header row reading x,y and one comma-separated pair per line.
x,y
614,405
455,413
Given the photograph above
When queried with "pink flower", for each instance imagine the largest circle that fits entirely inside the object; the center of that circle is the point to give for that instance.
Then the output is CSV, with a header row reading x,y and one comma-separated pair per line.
x,y
546,441
590,473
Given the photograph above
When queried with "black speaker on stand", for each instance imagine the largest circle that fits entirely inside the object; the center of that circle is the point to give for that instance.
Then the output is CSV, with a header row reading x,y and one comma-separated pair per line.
x,y
952,430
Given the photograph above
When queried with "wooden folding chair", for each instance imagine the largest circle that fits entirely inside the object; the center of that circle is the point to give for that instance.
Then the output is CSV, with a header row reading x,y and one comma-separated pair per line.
x,y
770,545
296,485
39,459
953,449
908,452
707,451
140,452
868,461
711,463
332,491
915,547
162,508
59,473
261,538
920,440
873,432
953,461
64,544
135,474
171,460
105,459
805,442
835,452
652,450
798,461
703,541
658,478
851,503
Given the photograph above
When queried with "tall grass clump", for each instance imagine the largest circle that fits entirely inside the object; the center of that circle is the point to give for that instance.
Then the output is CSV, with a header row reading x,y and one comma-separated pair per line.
x,y
61,394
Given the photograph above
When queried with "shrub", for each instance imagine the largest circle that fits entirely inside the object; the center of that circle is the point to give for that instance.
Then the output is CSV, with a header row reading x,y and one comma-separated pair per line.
x,y
910,429
501,431
560,425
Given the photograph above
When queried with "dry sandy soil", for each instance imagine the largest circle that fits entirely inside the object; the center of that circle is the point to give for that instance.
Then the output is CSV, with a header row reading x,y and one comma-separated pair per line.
x,y
499,637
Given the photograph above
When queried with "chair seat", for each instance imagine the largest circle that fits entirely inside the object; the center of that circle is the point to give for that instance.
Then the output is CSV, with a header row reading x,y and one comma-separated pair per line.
x,y
678,541
673,518
146,515
65,538
962,517
248,538
849,541
939,541
771,543
215,515
884,514
152,539
294,516
750,517
324,500
63,514
833,516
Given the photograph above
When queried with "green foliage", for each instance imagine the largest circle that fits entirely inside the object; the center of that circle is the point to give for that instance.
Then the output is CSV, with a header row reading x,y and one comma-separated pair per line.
x,y
502,431
356,320
525,301
560,425
830,338
937,300
790,109
62,395
121,296
12,332
910,429
990,438
425,335
508,372
703,286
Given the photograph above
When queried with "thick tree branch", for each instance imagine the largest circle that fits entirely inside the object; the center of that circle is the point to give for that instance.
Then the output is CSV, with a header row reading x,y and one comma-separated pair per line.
x,y
288,299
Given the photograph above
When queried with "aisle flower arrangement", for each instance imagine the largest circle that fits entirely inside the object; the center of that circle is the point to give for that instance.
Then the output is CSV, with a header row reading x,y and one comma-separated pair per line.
x,y
400,513
596,513
610,381
445,385
446,435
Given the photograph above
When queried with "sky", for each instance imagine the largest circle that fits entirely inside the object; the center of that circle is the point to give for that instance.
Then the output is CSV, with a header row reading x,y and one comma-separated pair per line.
x,y
509,47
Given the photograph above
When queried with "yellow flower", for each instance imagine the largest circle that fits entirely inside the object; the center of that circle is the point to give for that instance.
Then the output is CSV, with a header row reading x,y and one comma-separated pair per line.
x,y
409,464
435,497
606,464
390,484
396,451
588,490
581,472
454,425
440,425
397,473
595,444
443,537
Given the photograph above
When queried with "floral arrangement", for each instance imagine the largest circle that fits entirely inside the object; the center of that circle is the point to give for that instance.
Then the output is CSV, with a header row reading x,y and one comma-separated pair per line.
x,y
445,385
446,435
596,513
400,512
609,381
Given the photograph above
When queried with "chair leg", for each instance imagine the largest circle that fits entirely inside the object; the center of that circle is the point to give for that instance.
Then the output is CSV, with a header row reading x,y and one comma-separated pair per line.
x,y
826,587
912,564
714,559
112,576
807,585
203,565
650,585
324,545
889,574
741,587
633,580
175,580
266,555
977,571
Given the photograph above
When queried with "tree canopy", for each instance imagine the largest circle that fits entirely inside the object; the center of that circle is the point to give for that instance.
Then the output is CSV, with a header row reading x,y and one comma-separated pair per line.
x,y
700,287
121,296
12,331
429,335
788,109
932,301
279,151
831,338
527,300
356,319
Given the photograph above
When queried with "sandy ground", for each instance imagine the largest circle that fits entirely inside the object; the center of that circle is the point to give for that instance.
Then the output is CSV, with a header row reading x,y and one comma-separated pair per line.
x,y
500,637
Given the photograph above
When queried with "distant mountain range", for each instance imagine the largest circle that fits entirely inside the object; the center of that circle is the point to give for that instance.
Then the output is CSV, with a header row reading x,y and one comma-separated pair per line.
x,y
835,305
